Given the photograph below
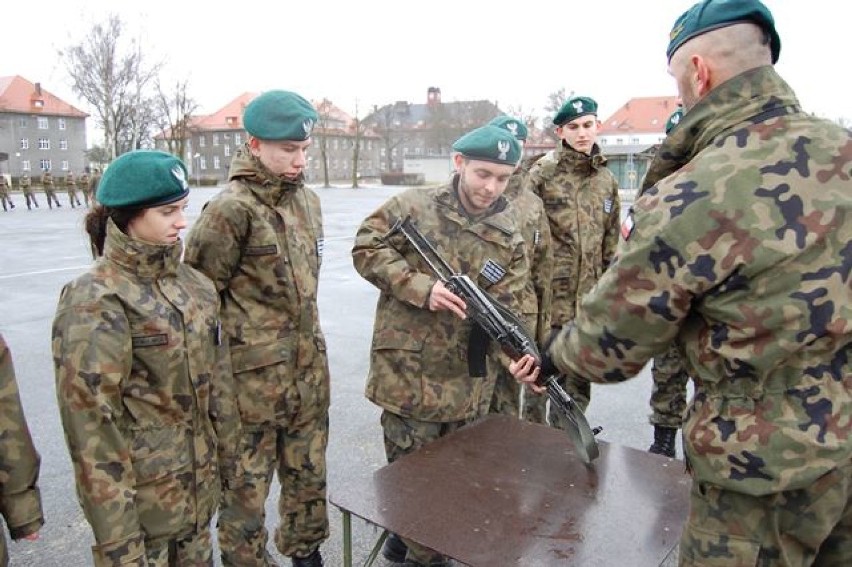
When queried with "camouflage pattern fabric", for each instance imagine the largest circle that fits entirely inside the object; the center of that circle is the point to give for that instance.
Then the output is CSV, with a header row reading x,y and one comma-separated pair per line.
x,y
47,184
25,183
739,251
418,363
71,189
535,228
668,396
402,436
146,397
193,551
4,193
806,526
20,500
83,185
583,207
260,241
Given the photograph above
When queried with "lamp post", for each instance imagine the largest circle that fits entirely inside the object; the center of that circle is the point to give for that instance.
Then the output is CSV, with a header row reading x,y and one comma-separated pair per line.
x,y
18,159
197,157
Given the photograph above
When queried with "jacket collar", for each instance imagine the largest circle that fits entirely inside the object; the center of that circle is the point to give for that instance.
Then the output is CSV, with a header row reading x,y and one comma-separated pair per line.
x,y
142,258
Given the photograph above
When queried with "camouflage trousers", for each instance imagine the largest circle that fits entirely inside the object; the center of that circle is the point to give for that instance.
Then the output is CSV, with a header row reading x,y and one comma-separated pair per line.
x,y
810,526
668,396
29,195
72,197
404,435
297,452
194,550
510,398
50,195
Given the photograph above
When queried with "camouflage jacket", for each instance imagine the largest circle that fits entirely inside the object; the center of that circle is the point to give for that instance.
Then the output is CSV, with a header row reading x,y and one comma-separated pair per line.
x,y
83,182
20,501
69,182
145,395
24,181
535,229
260,241
581,199
47,180
739,250
418,365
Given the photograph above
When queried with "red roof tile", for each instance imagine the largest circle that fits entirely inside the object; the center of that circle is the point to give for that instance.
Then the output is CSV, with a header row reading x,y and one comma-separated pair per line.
x,y
19,95
643,115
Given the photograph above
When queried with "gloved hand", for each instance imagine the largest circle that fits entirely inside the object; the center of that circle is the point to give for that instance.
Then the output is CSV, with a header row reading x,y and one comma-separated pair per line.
x,y
547,366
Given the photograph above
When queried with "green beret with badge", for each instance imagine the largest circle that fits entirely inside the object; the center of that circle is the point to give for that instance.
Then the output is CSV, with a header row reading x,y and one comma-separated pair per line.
x,y
489,143
674,119
142,179
280,115
516,127
575,107
711,15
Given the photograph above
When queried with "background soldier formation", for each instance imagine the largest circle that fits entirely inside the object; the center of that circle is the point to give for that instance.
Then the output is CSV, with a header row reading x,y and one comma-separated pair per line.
x,y
734,261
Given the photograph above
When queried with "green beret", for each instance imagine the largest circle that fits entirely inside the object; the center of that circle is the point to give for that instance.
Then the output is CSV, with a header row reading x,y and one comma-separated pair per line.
x,y
710,15
575,107
280,115
142,179
513,125
489,143
674,119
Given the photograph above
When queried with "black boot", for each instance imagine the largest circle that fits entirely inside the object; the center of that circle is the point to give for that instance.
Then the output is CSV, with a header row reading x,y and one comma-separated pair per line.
x,y
312,560
664,441
394,549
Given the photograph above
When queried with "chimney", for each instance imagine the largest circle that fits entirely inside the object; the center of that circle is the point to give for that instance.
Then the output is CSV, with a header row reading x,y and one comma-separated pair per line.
x,y
433,96
38,89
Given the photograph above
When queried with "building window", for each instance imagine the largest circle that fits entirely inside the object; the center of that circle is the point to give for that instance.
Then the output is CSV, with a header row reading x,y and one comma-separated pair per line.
x,y
634,140
23,123
238,139
44,164
25,143
63,144
25,165
227,150
43,144
65,166
43,124
216,163
619,140
61,123
201,142
383,152
202,162
215,139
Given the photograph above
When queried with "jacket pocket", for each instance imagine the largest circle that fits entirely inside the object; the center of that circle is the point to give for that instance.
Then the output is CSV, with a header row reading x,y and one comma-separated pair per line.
x,y
165,495
395,373
262,374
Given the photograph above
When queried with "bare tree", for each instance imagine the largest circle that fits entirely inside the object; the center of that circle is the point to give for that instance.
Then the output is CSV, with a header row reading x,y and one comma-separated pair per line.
x,y
528,118
555,100
175,111
321,134
112,79
358,128
387,123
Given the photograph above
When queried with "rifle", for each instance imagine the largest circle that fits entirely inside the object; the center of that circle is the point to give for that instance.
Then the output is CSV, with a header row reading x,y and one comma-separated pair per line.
x,y
495,322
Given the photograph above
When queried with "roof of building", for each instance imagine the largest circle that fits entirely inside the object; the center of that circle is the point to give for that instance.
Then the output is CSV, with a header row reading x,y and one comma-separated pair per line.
x,y
20,95
229,117
642,115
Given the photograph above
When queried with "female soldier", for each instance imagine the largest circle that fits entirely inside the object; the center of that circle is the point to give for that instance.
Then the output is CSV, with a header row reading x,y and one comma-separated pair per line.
x,y
143,386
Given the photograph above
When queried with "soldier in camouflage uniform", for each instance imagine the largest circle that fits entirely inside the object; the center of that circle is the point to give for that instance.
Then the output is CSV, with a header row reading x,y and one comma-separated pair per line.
x,y
419,372
4,193
509,397
20,500
142,378
25,183
71,189
260,241
47,183
668,396
581,199
83,187
739,251
94,181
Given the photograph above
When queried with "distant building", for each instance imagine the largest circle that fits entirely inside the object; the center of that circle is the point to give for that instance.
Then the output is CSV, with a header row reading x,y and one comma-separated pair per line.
x,y
413,130
630,137
214,138
39,131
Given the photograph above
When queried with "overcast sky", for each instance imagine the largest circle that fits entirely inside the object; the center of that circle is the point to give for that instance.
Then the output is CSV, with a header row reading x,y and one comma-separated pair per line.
x,y
377,51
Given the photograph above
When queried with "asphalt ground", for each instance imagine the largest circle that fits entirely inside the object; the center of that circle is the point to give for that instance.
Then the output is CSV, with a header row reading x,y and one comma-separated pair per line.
x,y
41,250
